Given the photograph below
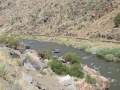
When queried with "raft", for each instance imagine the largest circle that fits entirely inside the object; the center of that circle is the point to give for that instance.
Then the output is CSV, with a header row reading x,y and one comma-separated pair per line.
x,y
56,51
30,42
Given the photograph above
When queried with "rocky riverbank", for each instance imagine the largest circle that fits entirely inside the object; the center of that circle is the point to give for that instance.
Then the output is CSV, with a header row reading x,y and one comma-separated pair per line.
x,y
26,69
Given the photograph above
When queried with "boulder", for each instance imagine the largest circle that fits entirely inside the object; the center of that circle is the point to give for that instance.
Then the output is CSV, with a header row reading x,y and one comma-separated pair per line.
x,y
72,87
65,80
102,81
22,47
42,65
34,60
26,51
15,53
27,78
12,52
29,66
85,86
37,84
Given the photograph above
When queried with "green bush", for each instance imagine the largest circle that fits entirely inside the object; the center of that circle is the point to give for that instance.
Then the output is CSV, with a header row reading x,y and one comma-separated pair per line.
x,y
109,54
42,72
85,19
72,58
57,67
61,69
80,27
109,57
76,70
17,84
3,69
89,79
83,47
45,54
11,40
117,20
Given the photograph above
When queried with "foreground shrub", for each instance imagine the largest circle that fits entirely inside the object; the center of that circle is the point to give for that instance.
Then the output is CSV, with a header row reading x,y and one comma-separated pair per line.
x,y
61,69
45,54
72,58
89,79
76,70
57,67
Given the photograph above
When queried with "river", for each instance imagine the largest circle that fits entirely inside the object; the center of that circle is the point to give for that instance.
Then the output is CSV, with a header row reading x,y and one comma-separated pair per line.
x,y
110,70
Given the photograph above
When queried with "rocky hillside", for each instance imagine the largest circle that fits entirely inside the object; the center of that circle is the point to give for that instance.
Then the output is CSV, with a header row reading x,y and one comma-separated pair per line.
x,y
77,18
24,69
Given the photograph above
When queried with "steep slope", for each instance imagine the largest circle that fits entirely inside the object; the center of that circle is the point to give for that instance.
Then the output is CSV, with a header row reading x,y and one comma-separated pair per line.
x,y
77,18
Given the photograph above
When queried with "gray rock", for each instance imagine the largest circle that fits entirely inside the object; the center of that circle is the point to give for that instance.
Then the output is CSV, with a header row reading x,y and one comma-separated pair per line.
x,y
44,88
37,84
26,51
43,65
22,47
65,80
29,66
27,78
36,65
15,53
72,87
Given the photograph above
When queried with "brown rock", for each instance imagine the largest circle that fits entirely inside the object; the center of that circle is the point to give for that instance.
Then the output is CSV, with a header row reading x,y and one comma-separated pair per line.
x,y
85,86
102,81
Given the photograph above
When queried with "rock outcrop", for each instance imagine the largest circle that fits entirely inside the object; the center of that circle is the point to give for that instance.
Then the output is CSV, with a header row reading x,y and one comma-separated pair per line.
x,y
22,47
102,81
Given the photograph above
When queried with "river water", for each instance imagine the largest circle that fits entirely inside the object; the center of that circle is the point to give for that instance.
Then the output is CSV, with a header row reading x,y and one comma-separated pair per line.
x,y
110,70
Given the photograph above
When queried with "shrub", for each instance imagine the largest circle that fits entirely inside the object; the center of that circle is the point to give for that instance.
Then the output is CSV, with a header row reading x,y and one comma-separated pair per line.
x,y
109,54
109,57
72,58
57,67
83,47
12,41
117,20
89,79
85,19
3,38
80,27
3,69
76,70
17,84
42,72
45,54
